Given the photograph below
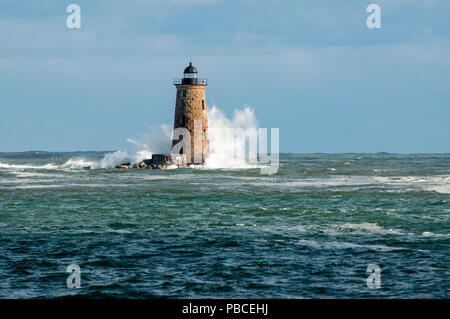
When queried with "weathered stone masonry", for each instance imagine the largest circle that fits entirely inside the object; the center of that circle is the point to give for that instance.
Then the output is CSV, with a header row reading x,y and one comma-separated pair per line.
x,y
191,106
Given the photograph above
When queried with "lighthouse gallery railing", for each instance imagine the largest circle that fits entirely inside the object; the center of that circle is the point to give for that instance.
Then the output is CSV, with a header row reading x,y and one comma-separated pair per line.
x,y
191,81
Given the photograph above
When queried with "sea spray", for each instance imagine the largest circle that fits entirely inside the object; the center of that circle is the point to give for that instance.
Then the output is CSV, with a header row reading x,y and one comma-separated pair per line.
x,y
146,144
158,140
225,146
112,159
75,163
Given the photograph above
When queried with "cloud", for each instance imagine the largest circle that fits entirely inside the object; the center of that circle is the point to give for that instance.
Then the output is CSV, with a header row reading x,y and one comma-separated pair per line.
x,y
278,56
389,6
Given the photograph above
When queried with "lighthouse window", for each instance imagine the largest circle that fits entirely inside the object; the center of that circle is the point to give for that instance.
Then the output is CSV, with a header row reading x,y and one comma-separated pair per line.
x,y
203,104
184,93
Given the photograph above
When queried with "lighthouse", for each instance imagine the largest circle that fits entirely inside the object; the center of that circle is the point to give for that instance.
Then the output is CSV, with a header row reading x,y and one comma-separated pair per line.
x,y
190,114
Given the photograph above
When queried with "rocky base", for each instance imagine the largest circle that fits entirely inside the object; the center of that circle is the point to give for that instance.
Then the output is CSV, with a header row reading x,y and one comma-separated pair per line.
x,y
158,161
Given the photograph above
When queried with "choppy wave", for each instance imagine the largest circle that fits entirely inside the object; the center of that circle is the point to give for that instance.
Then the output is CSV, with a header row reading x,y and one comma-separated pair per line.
x,y
211,226
443,189
435,183
77,163
364,228
22,166
347,245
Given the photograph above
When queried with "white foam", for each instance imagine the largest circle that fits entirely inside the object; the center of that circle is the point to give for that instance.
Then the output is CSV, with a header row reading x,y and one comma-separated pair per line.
x,y
141,155
43,186
223,143
16,166
23,175
77,163
443,189
347,245
16,180
437,183
157,140
440,183
321,182
362,228
430,234
111,160
38,186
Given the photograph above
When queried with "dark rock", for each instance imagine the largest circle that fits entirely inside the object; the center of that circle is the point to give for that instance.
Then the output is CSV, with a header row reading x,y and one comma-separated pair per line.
x,y
126,165
158,161
165,160
145,163
141,165
162,159
148,162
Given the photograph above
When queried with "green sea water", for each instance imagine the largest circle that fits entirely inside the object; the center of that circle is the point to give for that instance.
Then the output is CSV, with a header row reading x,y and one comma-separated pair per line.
x,y
309,231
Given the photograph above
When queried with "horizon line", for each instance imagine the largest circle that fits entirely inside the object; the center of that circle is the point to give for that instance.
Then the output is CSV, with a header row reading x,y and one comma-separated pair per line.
x,y
298,153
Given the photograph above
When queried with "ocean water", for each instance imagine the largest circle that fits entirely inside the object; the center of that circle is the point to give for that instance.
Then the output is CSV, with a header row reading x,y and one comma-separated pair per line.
x,y
199,233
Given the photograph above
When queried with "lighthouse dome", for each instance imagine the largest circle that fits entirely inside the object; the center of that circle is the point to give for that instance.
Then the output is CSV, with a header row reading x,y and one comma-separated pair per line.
x,y
190,69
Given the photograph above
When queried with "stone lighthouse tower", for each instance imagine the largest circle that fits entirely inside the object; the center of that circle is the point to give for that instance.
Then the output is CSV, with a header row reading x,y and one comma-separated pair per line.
x,y
190,113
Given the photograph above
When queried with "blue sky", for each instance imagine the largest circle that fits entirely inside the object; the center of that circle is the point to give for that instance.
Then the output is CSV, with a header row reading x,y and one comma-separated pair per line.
x,y
311,68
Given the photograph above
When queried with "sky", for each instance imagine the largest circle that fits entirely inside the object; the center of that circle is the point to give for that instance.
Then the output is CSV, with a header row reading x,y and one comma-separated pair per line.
x,y
311,68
